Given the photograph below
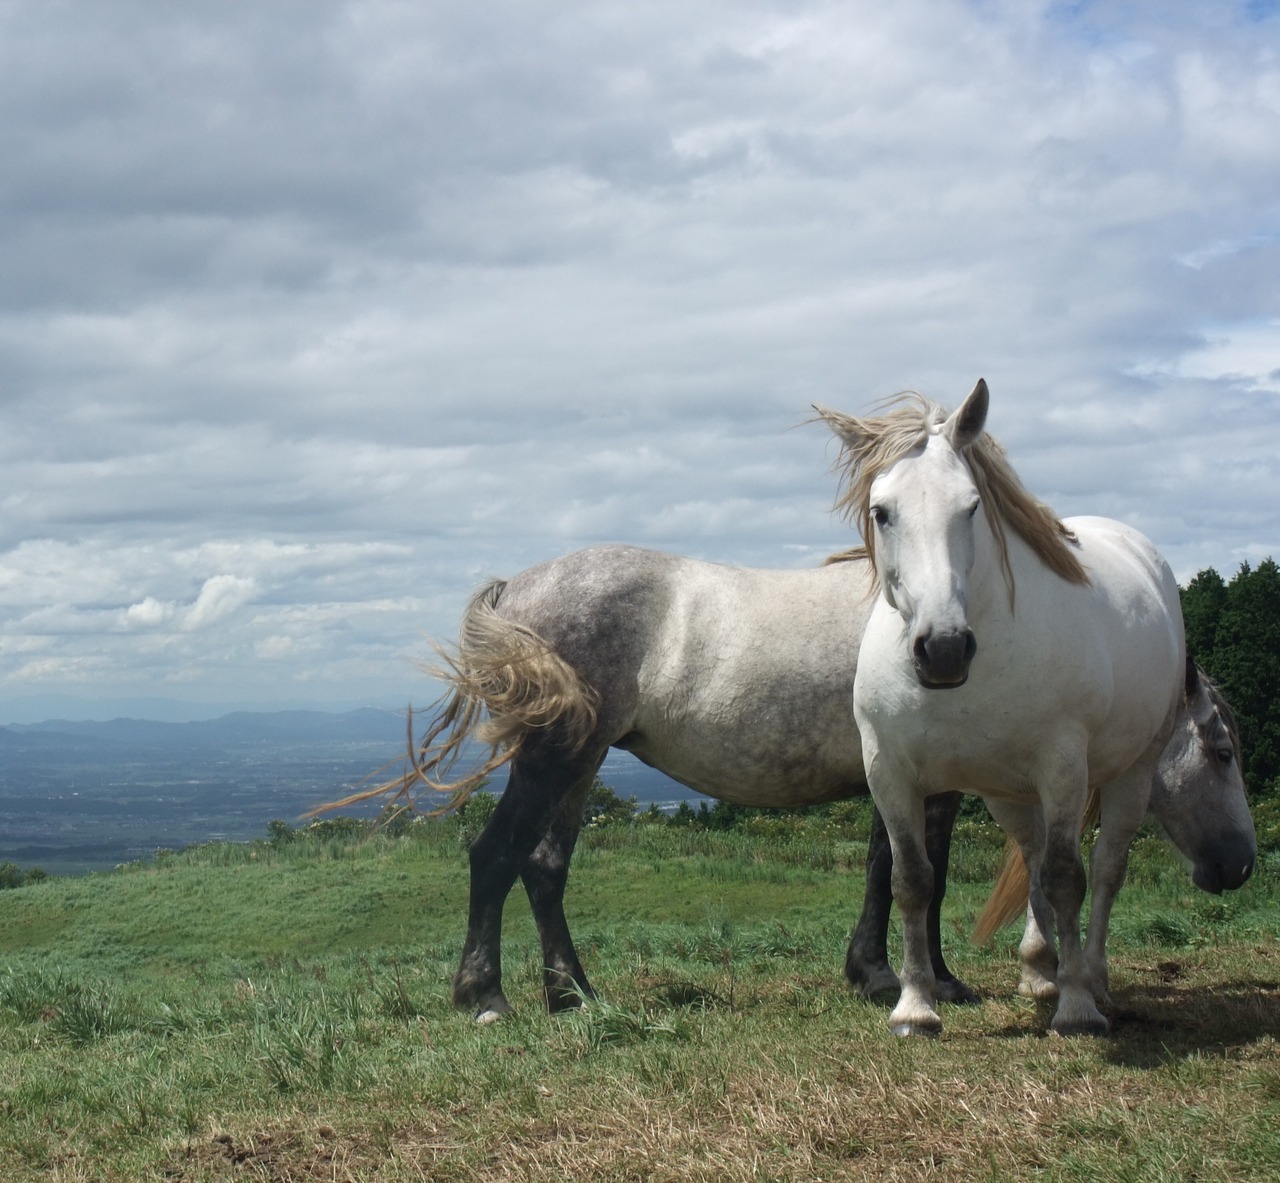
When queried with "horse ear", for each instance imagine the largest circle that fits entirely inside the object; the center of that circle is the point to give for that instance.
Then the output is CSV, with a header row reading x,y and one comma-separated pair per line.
x,y
966,424
1192,683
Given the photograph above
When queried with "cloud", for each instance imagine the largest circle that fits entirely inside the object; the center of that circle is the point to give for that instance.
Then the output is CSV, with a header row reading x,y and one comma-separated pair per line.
x,y
220,596
311,317
149,613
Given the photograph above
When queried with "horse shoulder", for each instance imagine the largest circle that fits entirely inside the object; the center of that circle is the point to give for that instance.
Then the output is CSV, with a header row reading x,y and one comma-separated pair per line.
x,y
1141,616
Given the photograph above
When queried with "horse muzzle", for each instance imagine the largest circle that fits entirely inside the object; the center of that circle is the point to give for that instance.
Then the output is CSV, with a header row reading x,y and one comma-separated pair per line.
x,y
942,659
1224,874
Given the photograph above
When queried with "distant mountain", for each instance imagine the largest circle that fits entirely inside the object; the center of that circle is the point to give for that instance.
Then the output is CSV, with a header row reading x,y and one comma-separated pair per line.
x,y
35,708
238,729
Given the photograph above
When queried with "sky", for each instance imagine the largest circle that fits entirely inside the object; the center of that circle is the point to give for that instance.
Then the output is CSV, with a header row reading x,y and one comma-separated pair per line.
x,y
314,315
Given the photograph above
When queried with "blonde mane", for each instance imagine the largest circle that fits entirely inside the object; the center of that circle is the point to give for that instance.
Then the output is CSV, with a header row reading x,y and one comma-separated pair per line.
x,y
870,446
855,554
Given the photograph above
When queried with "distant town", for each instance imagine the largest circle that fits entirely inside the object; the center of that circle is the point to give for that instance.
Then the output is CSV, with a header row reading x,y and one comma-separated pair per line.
x,y
86,796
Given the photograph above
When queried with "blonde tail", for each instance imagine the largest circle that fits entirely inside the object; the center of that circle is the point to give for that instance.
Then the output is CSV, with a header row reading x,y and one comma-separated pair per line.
x,y
1008,899
507,671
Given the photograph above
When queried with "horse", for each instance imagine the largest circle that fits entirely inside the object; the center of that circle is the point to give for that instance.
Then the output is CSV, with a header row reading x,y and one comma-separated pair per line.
x,y
1008,654
736,682
1199,805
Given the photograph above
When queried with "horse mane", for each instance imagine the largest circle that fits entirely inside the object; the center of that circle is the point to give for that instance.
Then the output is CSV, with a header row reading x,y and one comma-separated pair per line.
x,y
855,554
869,446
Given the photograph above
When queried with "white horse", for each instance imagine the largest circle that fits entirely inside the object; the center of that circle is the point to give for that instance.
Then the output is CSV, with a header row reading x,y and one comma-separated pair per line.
x,y
1011,655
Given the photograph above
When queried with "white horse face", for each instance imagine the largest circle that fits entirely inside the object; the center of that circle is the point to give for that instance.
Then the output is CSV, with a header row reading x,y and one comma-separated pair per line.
x,y
1198,796
929,526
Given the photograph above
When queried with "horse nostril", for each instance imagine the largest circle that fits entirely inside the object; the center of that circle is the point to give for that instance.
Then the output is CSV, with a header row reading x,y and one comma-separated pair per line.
x,y
970,645
921,650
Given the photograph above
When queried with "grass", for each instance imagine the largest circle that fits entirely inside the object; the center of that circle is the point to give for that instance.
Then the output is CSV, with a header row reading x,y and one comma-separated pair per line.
x,y
281,1013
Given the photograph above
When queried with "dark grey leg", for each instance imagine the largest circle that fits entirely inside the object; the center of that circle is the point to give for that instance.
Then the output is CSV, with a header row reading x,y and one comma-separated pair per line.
x,y
540,780
867,963
545,874
939,820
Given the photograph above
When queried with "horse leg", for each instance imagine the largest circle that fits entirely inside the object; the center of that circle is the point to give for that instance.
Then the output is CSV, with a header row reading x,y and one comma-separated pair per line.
x,y
540,778
1039,957
565,982
866,965
1062,878
939,820
1124,805
912,880
867,962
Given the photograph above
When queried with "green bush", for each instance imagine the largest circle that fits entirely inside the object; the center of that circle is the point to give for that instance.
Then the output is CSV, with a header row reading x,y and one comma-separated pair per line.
x,y
12,875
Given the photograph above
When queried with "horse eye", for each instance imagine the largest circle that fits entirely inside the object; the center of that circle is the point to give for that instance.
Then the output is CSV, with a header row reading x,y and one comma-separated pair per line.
x,y
880,515
973,509
1225,756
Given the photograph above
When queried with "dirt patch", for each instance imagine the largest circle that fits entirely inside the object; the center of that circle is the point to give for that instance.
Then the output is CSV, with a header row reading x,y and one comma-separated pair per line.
x,y
280,1156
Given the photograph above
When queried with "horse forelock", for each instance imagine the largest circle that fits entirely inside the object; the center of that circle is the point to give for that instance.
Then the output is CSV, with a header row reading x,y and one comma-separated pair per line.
x,y
871,446
1220,710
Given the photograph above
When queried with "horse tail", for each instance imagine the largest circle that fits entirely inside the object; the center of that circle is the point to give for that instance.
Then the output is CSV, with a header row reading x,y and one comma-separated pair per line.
x,y
501,669
1008,899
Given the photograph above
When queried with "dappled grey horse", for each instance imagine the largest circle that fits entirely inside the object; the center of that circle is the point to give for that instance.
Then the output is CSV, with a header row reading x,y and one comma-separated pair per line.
x,y
736,682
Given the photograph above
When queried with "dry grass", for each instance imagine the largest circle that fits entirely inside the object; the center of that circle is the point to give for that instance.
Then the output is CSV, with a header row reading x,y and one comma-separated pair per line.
x,y
776,1088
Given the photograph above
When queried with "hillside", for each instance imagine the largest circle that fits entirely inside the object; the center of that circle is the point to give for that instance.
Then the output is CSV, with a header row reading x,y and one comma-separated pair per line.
x,y
281,1012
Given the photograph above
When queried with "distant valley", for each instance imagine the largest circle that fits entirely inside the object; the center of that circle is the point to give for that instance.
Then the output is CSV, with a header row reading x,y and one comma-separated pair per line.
x,y
83,796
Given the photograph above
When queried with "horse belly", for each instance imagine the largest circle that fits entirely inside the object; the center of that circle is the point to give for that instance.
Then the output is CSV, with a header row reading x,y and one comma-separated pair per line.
x,y
755,754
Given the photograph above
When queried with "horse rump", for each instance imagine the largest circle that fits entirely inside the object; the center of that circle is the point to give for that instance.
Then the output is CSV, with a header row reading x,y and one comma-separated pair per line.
x,y
505,684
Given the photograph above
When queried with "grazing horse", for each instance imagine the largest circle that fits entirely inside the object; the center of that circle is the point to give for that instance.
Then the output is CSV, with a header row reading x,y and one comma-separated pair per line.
x,y
1011,655
1199,805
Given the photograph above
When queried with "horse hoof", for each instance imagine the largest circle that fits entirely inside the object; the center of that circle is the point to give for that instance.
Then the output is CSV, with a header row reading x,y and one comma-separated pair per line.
x,y
955,991
1094,1028
883,993
1039,991
906,1030
559,1000
879,986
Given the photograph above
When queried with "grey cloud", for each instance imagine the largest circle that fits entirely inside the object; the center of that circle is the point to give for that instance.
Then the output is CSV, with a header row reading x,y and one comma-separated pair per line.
x,y
356,304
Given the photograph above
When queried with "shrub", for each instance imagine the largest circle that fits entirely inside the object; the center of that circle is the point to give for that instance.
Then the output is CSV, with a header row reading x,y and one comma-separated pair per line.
x,y
604,806
12,875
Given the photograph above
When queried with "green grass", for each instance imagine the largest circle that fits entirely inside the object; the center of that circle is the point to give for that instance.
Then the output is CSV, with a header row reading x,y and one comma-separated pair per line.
x,y
281,1013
